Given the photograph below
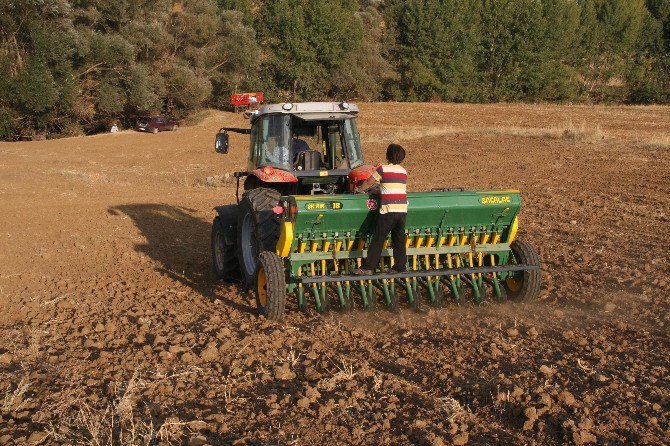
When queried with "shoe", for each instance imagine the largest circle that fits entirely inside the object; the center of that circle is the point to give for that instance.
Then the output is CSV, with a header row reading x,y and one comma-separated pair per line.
x,y
362,272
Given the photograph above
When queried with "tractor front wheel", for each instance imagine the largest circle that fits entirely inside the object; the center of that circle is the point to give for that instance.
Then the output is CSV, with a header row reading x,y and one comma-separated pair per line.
x,y
523,285
270,286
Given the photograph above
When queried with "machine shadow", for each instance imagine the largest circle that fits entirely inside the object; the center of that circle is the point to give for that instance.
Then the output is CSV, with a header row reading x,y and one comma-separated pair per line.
x,y
180,244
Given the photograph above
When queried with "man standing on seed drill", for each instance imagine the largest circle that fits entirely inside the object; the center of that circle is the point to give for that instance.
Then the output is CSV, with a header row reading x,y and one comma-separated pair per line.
x,y
392,180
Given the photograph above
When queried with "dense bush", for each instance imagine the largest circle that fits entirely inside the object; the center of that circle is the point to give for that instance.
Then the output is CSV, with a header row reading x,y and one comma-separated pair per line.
x,y
75,66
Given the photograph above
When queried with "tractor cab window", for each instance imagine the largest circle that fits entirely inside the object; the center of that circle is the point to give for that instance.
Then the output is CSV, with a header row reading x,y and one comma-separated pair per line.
x,y
352,142
272,142
325,144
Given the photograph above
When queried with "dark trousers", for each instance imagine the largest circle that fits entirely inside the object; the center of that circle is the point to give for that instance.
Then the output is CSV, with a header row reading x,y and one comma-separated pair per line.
x,y
393,222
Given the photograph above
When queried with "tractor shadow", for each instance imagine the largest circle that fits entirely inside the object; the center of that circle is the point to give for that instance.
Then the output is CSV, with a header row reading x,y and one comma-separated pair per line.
x,y
179,243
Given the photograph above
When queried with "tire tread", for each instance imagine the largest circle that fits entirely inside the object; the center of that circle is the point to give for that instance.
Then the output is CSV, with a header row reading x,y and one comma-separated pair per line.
x,y
275,284
230,269
532,280
260,202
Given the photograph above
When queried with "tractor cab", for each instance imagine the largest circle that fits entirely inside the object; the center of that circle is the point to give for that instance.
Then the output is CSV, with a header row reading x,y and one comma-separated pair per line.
x,y
306,148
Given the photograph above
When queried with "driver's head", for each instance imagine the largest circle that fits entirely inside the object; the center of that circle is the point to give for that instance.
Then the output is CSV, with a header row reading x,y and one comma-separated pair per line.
x,y
300,146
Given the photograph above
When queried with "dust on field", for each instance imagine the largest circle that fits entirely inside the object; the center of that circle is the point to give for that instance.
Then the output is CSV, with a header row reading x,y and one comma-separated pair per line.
x,y
114,330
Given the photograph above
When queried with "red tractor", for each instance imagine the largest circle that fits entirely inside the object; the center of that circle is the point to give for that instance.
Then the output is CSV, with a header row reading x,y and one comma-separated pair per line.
x,y
308,148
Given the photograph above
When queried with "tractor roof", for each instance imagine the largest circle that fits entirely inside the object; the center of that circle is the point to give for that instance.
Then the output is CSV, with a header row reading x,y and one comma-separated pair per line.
x,y
309,111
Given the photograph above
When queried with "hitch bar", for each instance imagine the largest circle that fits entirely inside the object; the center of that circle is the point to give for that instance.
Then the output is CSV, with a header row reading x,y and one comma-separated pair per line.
x,y
409,274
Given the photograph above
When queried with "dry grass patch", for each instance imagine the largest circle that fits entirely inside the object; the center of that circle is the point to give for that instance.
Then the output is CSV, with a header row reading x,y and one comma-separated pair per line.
x,y
88,177
127,419
14,399
24,347
451,408
344,372
216,181
569,131
662,143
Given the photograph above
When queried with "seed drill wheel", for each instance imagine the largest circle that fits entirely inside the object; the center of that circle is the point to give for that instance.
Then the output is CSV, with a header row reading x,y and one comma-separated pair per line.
x,y
224,258
257,230
270,286
524,285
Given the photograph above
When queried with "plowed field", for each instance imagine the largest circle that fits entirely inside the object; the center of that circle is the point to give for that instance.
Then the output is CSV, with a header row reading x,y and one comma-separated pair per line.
x,y
113,329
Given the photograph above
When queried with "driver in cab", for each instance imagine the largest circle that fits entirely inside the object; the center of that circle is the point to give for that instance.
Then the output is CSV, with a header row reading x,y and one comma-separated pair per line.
x,y
299,146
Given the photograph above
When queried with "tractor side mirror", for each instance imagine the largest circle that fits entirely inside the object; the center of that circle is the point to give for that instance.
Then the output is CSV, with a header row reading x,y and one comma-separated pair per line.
x,y
221,143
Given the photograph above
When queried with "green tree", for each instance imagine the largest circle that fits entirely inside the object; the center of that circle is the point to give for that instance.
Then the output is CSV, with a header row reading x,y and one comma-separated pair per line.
x,y
186,90
436,49
36,93
612,33
244,7
365,70
102,63
555,75
511,48
649,77
233,60
307,42
146,90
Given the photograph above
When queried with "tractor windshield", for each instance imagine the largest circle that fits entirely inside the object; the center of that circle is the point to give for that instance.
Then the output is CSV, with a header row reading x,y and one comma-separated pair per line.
x,y
279,140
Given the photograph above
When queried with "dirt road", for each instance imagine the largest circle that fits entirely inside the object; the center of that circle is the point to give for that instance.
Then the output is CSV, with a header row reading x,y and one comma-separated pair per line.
x,y
114,331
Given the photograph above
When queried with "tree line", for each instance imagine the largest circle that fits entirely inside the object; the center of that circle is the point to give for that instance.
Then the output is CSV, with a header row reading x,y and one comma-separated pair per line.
x,y
73,66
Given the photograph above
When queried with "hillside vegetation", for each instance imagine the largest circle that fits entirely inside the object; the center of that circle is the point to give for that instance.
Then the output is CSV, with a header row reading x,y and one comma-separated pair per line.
x,y
72,66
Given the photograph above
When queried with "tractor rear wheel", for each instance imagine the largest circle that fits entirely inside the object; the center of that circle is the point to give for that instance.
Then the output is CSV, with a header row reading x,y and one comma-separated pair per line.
x,y
257,230
224,258
524,285
270,286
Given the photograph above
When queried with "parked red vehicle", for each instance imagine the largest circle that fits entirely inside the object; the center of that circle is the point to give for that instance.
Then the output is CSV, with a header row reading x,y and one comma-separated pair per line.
x,y
156,124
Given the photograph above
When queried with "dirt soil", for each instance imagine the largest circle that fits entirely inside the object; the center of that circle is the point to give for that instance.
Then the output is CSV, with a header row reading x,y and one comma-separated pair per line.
x,y
113,329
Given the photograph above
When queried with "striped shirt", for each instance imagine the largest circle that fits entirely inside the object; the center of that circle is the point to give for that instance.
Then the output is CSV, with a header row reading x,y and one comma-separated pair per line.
x,y
392,179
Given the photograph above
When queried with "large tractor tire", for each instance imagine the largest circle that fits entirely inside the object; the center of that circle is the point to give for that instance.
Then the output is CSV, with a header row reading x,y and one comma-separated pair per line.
x,y
257,230
525,285
224,234
270,286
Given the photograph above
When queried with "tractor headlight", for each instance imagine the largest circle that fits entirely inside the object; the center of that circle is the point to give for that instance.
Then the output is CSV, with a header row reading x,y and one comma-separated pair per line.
x,y
287,106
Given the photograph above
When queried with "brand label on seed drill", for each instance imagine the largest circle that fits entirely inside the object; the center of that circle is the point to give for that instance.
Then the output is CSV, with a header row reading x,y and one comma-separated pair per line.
x,y
322,205
496,200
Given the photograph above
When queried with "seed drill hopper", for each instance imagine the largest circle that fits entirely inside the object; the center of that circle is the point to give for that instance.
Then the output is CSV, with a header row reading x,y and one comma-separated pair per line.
x,y
299,229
